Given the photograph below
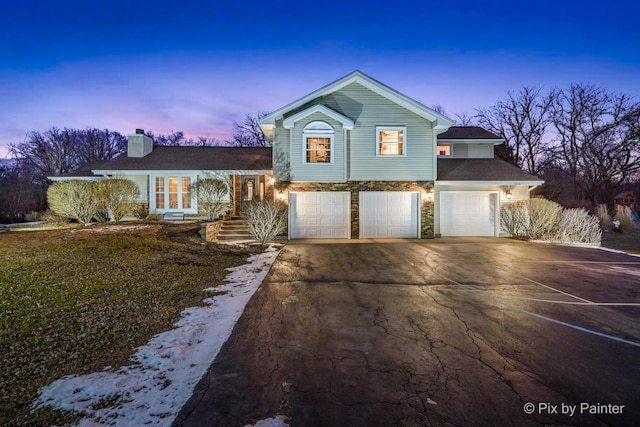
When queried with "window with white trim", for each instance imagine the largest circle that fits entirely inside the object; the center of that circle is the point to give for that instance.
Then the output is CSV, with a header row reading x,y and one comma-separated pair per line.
x,y
444,150
173,192
317,140
390,140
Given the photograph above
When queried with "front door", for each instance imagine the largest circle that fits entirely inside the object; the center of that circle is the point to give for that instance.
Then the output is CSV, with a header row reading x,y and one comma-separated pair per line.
x,y
252,187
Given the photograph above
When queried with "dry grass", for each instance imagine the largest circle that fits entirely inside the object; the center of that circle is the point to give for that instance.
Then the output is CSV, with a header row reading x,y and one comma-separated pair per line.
x,y
628,240
75,301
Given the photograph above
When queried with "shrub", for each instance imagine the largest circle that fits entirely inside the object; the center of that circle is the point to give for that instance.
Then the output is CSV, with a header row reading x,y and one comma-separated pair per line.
x,y
34,216
50,217
578,226
544,216
623,214
212,194
602,213
534,219
140,210
514,217
73,199
265,218
120,196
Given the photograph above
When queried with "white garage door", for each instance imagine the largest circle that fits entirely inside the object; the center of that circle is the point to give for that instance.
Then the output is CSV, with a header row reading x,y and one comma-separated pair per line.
x,y
319,214
468,213
389,214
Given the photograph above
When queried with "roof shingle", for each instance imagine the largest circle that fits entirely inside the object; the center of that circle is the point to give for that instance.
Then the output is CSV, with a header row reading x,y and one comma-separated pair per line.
x,y
195,158
467,132
481,170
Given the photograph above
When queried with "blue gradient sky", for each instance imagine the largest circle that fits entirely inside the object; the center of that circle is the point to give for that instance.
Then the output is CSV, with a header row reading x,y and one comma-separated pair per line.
x,y
196,66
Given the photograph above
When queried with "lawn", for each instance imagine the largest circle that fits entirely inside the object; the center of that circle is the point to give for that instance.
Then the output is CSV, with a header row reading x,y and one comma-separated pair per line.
x,y
627,241
74,301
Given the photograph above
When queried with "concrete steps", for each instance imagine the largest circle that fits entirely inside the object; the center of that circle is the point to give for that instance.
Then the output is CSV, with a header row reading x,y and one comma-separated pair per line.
x,y
234,229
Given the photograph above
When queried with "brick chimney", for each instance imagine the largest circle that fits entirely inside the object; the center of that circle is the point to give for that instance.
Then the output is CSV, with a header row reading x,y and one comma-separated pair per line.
x,y
139,144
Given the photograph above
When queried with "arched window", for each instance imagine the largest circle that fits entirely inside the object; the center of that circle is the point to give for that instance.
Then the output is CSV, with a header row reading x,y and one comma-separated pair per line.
x,y
317,143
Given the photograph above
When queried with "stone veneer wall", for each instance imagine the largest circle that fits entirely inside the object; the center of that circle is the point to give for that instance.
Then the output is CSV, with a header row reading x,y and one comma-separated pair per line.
x,y
237,194
426,205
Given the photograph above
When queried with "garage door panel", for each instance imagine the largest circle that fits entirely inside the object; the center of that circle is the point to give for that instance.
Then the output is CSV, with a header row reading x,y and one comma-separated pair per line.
x,y
389,214
319,215
467,213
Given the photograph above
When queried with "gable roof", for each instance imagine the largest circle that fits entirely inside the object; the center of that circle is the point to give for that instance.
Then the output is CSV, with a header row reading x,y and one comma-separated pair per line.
x,y
469,134
483,170
440,121
346,122
193,158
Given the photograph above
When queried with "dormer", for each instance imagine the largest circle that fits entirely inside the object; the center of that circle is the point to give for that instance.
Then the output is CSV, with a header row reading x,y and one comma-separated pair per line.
x,y
467,142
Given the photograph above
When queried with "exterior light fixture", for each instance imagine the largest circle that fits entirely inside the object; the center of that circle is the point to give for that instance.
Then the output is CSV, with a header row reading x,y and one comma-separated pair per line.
x,y
508,194
429,195
281,195
272,180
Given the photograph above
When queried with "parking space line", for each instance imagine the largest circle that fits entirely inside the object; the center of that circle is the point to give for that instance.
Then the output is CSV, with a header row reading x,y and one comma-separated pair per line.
x,y
572,326
554,289
613,304
586,262
484,295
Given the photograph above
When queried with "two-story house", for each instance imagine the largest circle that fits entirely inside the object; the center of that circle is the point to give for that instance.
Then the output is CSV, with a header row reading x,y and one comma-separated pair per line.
x,y
357,159
353,159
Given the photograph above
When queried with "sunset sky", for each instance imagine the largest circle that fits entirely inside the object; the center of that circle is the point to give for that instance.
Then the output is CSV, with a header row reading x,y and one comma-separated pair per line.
x,y
196,66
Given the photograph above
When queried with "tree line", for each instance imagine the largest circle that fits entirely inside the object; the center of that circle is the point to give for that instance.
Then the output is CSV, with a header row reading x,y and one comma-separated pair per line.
x,y
24,180
584,141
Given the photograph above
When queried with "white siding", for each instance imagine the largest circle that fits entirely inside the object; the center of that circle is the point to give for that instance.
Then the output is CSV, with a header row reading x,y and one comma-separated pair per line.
x,y
368,110
318,172
472,151
281,154
142,181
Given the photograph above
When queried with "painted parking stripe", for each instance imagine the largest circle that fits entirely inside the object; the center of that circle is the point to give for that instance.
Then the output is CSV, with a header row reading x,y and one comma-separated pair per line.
x,y
572,326
554,289
595,304
483,294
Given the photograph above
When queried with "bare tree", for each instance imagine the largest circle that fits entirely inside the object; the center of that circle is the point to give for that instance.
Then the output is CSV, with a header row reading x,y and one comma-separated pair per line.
x,y
48,153
522,120
248,132
97,144
265,218
599,139
214,194
178,139
439,108
56,152
465,119
20,193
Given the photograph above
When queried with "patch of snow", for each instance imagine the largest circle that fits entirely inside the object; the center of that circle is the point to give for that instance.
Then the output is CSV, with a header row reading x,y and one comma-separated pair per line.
x,y
110,228
166,370
20,224
277,421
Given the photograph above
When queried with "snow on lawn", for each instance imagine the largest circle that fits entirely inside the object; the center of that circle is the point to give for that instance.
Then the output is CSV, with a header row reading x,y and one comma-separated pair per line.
x,y
166,370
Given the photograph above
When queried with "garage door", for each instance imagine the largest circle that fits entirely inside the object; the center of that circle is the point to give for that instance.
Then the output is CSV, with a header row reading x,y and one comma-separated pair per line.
x,y
468,213
317,215
389,214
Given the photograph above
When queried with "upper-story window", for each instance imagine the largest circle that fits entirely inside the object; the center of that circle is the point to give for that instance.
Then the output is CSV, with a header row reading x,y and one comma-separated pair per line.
x,y
317,140
444,150
391,140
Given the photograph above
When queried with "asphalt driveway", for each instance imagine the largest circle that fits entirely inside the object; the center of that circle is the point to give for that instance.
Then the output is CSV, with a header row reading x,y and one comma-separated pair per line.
x,y
440,332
